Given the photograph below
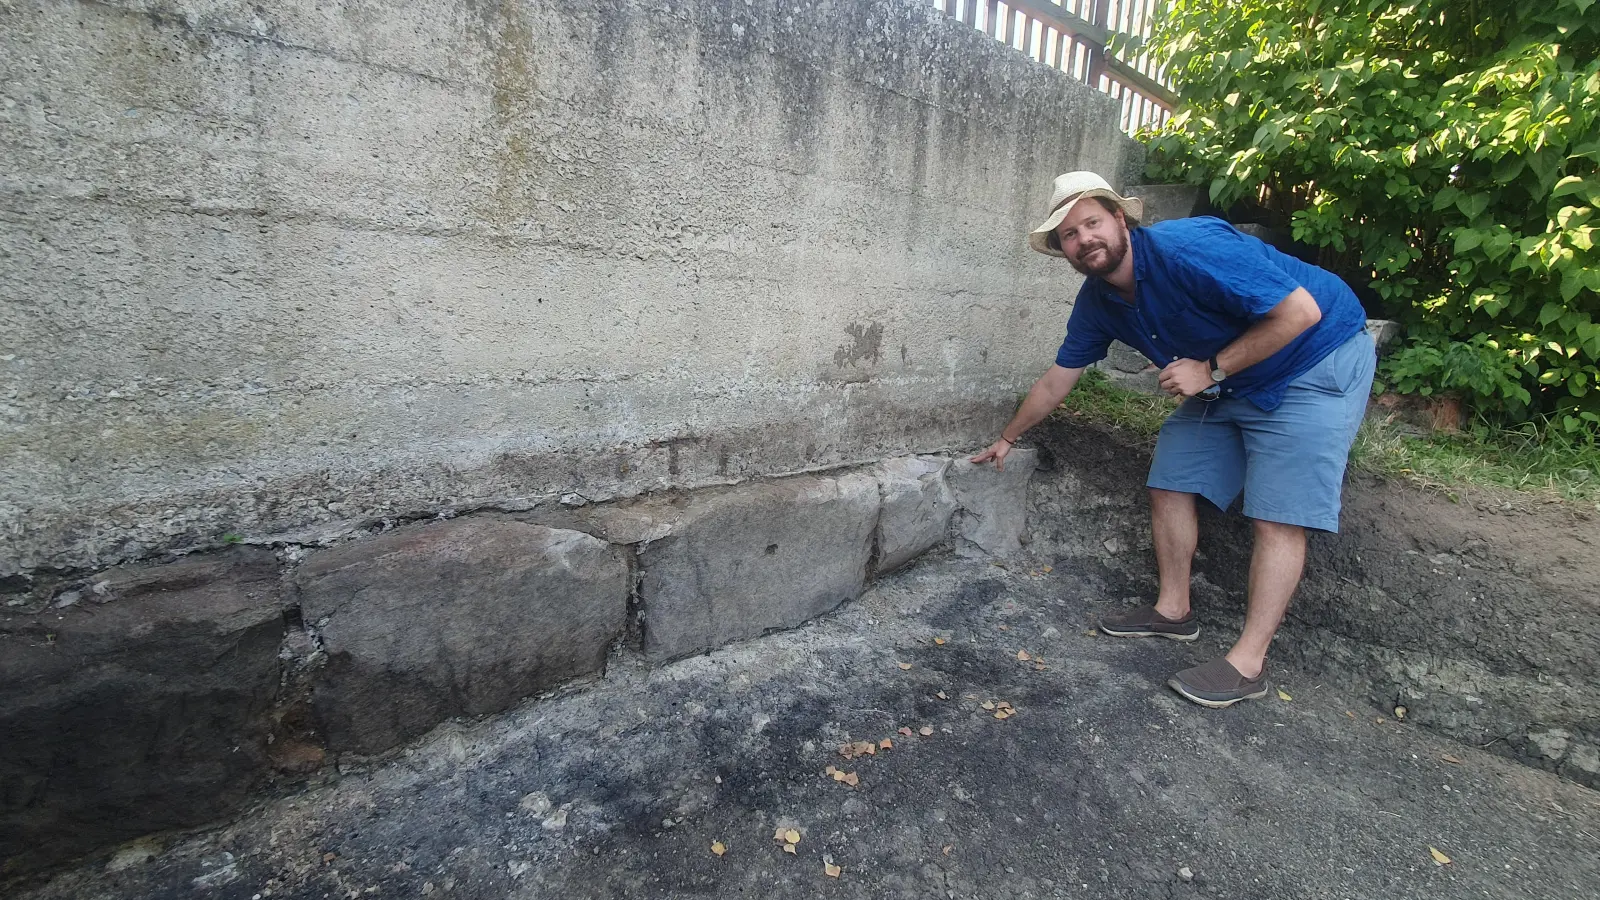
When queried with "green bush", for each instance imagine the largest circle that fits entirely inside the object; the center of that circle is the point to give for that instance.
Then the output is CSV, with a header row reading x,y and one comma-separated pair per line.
x,y
1444,152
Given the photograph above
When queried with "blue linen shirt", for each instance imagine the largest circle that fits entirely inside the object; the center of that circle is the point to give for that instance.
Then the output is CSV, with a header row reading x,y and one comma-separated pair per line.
x,y
1199,283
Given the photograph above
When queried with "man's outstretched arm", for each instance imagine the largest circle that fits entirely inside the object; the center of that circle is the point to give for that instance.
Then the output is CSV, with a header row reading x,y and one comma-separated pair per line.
x,y
1047,393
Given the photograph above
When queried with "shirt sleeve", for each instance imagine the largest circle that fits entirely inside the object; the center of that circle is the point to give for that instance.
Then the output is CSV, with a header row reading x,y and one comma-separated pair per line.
x,y
1087,337
1232,272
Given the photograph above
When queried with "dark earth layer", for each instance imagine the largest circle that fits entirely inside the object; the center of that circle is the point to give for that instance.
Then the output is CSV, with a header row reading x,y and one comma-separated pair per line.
x,y
1477,612
1104,783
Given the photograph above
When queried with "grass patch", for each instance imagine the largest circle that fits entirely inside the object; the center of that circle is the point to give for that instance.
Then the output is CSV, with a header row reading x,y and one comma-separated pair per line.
x,y
1534,460
1097,399
1531,461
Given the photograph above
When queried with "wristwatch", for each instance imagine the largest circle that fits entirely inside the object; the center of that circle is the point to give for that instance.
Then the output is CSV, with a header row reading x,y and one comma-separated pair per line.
x,y
1217,375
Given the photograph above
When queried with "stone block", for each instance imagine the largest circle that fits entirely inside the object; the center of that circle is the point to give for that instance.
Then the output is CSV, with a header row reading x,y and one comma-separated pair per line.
x,y
1384,332
917,506
136,704
994,504
1550,744
461,618
747,560
1583,765
1166,201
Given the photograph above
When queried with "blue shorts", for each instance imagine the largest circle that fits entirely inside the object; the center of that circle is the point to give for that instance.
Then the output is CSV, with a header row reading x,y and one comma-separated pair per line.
x,y
1289,462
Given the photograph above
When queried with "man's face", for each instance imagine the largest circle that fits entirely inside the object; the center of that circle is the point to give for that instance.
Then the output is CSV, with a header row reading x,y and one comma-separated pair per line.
x,y
1095,241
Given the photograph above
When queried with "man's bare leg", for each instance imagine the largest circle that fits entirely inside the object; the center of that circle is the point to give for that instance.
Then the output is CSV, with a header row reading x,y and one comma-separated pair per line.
x,y
1275,566
1176,530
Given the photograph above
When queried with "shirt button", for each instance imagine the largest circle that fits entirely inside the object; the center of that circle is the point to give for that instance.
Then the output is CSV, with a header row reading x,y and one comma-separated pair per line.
x,y
1230,390
1152,337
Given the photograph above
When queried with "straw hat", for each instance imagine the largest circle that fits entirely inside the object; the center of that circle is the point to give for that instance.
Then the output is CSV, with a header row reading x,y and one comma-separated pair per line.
x,y
1069,189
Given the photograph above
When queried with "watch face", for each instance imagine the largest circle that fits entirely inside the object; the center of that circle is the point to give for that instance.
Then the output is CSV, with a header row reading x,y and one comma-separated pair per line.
x,y
1217,375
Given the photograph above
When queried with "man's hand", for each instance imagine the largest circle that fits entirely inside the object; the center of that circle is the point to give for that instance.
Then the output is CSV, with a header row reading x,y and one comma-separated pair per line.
x,y
1186,377
997,451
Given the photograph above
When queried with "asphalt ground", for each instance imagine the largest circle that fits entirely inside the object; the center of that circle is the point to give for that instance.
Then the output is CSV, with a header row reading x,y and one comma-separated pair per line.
x,y
1101,783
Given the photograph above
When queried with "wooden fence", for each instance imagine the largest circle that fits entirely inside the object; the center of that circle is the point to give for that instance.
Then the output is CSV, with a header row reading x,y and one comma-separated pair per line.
x,y
1071,35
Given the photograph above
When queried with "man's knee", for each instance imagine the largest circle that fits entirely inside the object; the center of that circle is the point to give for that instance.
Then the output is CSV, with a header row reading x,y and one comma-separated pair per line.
x,y
1163,497
1266,528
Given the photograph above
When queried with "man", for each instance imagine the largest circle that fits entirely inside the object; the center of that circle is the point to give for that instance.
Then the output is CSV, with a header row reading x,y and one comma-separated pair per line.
x,y
1272,357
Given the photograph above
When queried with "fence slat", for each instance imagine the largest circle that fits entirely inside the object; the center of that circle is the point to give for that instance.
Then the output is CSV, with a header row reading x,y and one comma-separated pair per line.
x,y
1079,30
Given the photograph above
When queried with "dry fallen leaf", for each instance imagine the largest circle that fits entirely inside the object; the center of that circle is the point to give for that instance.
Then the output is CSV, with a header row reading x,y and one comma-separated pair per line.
x,y
1450,759
789,848
886,744
1004,704
905,665
925,731
791,837
987,704
905,731
1350,714
869,748
942,696
1023,656
938,640
831,771
851,779
831,870
778,835
948,848
1439,859
328,858
718,848
1001,714
1284,695
1039,667
1048,570
1005,627
1400,713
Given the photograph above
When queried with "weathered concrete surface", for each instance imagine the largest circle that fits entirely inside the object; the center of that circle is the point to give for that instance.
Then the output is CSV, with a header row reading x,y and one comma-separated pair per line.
x,y
460,618
747,560
267,267
136,704
1479,616
994,504
1104,784
917,506
1167,201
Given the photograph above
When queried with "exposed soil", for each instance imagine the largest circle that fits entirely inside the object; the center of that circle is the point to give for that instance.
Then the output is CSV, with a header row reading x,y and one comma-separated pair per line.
x,y
1478,614
1103,783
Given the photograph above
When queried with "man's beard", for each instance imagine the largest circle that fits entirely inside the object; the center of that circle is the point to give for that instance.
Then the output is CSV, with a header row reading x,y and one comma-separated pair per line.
x,y
1115,252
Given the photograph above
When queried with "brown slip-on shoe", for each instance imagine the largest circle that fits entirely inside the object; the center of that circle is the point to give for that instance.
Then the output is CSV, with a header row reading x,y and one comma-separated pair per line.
x,y
1146,622
1217,684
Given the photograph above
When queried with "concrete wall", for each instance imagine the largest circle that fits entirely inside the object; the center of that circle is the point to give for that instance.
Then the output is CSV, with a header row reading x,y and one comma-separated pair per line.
x,y
278,267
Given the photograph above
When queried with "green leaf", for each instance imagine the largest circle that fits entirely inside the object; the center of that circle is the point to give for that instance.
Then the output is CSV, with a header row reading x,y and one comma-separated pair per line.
x,y
1468,238
1572,184
1550,313
1472,205
1508,168
1571,284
